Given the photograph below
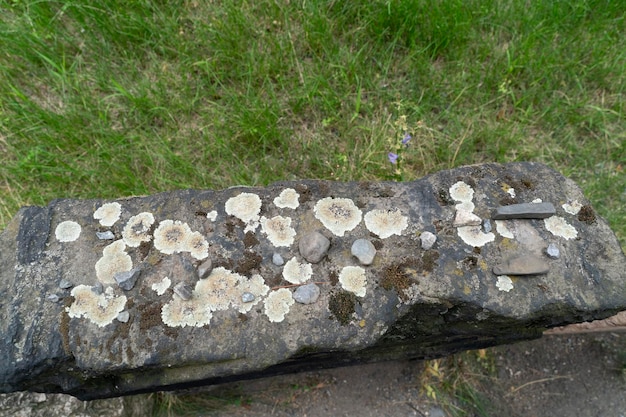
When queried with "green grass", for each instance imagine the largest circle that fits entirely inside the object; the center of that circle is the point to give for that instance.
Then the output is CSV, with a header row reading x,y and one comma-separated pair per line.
x,y
110,98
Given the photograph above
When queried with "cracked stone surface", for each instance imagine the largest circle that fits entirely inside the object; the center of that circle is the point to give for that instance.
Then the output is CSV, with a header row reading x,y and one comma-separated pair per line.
x,y
419,303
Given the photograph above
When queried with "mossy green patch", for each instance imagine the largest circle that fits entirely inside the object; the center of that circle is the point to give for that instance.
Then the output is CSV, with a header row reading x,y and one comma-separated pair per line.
x,y
342,305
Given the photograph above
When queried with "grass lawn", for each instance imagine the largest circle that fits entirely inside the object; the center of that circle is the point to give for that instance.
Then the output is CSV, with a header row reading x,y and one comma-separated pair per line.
x,y
111,98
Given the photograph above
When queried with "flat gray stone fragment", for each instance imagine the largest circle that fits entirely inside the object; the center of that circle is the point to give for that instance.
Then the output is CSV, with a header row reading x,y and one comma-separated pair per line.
x,y
65,284
307,294
108,235
522,265
52,298
98,288
205,268
553,251
487,228
524,211
183,290
428,240
364,251
126,280
313,247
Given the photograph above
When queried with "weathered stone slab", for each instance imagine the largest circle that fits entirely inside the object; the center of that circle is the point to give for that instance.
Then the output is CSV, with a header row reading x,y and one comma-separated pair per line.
x,y
524,211
186,322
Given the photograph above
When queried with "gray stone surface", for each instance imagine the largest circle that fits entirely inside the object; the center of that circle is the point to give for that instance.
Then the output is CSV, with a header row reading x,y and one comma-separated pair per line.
x,y
364,251
409,303
127,279
524,211
553,251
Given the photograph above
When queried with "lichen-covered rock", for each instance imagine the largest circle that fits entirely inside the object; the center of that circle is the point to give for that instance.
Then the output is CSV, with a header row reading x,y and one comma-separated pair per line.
x,y
215,299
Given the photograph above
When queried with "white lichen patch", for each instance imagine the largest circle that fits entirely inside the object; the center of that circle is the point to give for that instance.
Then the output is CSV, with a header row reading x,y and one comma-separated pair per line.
x,y
503,229
175,236
474,236
353,279
504,283
212,215
245,206
386,223
162,286
220,289
288,198
511,192
339,215
197,246
114,259
277,304
462,192
137,229
108,214
537,201
278,230
67,231
296,272
573,207
100,309
255,286
559,227
181,313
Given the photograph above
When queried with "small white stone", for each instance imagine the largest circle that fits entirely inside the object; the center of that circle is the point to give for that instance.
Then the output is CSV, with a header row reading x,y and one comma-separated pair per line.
x,y
553,251
108,235
364,251
277,259
428,239
511,192
247,297
123,316
537,201
212,215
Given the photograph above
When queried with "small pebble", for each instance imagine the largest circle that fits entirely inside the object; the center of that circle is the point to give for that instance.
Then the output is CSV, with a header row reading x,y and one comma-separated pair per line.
x,y
247,297
277,259
487,228
126,280
428,240
307,294
53,298
364,250
65,284
98,288
205,269
108,235
313,247
183,291
123,317
553,251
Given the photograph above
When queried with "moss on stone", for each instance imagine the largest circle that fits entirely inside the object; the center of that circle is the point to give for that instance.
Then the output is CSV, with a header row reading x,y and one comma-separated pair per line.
x,y
342,305
587,215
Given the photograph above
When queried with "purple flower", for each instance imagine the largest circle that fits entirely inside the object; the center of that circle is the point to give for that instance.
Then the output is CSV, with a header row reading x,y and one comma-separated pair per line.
x,y
393,157
406,139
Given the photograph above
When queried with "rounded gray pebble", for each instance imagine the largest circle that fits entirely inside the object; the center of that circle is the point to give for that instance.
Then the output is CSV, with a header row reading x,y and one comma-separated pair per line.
x,y
364,250
553,251
247,297
428,240
313,247
277,259
53,298
307,294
